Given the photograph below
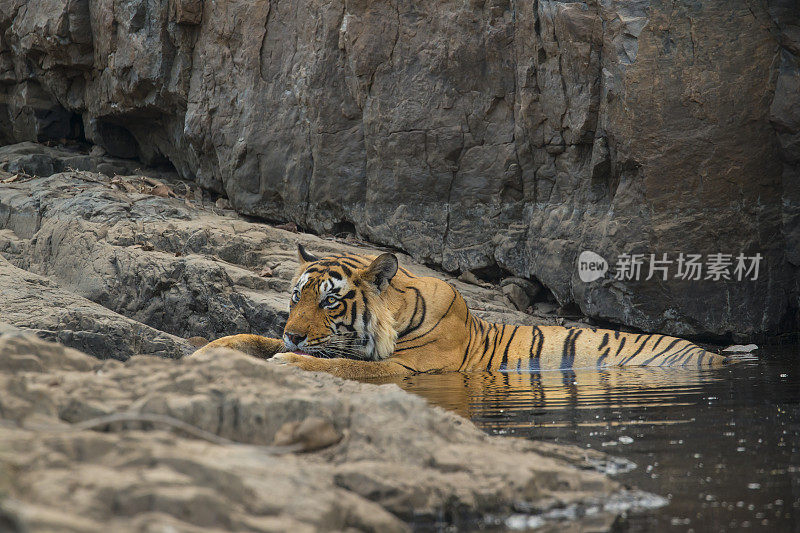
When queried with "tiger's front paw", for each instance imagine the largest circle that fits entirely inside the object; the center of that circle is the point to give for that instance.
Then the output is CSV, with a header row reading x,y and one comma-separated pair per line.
x,y
306,362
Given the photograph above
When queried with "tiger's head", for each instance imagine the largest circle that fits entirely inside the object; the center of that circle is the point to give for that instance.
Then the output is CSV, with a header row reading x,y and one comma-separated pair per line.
x,y
338,307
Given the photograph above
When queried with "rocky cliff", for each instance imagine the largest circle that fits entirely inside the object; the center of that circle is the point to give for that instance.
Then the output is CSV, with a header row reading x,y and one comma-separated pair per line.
x,y
469,134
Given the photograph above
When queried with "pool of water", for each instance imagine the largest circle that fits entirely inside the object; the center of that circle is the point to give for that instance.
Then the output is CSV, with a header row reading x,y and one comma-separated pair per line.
x,y
722,445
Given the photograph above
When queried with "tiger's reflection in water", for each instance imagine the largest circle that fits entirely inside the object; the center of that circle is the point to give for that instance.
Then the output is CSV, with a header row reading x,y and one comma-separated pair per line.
x,y
523,399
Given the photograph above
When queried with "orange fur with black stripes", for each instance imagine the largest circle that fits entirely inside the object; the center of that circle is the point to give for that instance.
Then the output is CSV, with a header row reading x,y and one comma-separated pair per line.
x,y
361,317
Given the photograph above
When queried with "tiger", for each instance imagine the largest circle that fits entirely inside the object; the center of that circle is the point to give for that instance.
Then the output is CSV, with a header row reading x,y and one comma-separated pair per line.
x,y
364,317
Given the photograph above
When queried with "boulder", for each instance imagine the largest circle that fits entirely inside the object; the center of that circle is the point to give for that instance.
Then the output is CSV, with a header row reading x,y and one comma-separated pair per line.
x,y
520,292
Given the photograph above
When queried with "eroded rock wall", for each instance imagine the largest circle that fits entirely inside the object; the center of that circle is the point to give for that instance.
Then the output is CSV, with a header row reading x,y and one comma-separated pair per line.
x,y
469,134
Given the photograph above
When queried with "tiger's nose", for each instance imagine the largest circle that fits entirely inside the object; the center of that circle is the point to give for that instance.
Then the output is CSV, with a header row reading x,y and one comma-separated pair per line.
x,y
294,338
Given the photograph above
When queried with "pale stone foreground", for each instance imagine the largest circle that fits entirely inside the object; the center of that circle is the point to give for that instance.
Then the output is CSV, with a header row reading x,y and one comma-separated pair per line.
x,y
399,460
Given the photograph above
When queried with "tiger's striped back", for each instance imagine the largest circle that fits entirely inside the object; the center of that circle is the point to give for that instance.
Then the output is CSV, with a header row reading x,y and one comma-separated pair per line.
x,y
502,347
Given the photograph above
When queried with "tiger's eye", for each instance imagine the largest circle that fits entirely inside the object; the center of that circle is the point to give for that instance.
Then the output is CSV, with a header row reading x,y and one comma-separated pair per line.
x,y
330,300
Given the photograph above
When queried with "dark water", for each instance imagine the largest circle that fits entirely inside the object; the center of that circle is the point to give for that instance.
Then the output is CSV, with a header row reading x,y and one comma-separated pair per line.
x,y
722,445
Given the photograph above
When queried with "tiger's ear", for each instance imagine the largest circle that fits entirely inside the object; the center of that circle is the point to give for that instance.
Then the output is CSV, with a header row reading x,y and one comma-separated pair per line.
x,y
303,256
381,271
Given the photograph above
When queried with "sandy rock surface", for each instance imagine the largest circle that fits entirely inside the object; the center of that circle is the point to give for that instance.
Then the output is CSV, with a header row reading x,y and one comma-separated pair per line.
x,y
40,305
394,462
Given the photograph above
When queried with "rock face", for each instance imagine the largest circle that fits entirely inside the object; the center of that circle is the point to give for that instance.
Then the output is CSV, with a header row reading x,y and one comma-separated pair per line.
x,y
468,134
395,460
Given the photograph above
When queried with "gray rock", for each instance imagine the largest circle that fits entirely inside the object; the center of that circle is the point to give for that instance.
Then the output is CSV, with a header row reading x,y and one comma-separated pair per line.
x,y
472,279
39,305
29,111
521,292
545,308
739,348
97,151
32,165
40,160
517,296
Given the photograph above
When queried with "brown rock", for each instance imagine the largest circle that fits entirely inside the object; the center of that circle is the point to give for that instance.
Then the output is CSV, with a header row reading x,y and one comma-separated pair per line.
x,y
163,191
188,11
311,434
289,226
472,279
